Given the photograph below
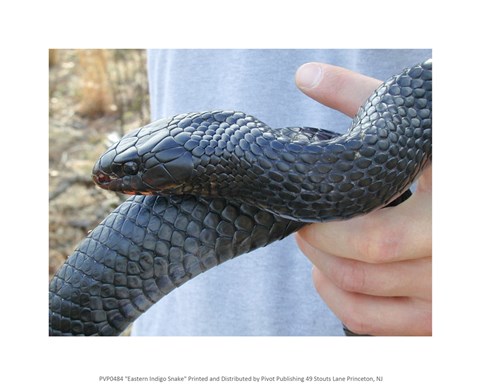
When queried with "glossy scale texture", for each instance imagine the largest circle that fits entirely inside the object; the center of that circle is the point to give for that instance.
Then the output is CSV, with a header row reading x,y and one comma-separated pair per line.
x,y
224,183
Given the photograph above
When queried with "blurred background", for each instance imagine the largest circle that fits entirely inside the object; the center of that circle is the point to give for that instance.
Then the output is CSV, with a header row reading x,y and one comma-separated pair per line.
x,y
95,96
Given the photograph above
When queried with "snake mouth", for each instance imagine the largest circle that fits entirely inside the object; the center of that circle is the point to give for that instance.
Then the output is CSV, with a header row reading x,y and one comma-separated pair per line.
x,y
102,179
108,182
130,185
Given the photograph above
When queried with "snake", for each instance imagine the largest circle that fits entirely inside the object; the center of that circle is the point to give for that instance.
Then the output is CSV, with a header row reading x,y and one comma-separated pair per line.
x,y
209,186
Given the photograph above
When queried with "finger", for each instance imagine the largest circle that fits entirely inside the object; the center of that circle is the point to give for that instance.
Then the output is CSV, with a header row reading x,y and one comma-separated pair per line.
x,y
424,184
364,314
391,234
335,87
406,278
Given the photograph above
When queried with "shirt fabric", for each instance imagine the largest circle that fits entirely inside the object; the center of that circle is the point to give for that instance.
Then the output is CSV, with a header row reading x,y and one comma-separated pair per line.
x,y
268,292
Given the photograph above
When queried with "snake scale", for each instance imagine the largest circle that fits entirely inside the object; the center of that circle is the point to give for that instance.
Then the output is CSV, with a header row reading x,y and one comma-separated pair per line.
x,y
211,186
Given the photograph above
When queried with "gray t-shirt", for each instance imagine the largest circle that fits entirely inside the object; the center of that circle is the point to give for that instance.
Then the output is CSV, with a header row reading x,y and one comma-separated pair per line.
x,y
268,291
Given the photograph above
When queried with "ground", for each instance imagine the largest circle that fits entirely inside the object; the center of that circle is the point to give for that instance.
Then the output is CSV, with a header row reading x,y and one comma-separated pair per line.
x,y
95,96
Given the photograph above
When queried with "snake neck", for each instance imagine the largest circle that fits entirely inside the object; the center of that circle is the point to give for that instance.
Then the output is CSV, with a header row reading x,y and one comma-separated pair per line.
x,y
307,174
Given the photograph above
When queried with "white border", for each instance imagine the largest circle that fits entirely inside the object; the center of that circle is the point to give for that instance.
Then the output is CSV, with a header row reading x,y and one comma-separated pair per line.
x,y
33,27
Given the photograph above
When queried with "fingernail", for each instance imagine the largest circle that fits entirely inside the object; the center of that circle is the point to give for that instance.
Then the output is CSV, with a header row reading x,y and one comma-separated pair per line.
x,y
309,75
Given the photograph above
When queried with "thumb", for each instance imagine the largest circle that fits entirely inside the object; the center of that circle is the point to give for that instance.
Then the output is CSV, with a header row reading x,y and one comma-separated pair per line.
x,y
335,87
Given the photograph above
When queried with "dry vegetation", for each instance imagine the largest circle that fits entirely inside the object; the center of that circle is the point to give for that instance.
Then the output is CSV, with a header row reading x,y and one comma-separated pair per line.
x,y
95,96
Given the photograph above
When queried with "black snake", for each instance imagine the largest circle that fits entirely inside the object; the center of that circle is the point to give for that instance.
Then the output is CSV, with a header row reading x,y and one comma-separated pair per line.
x,y
219,184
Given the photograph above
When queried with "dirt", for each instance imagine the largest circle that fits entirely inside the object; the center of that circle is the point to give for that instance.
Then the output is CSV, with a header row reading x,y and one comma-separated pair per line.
x,y
87,114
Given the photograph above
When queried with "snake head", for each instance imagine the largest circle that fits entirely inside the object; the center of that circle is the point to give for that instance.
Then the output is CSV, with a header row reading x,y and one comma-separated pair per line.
x,y
146,161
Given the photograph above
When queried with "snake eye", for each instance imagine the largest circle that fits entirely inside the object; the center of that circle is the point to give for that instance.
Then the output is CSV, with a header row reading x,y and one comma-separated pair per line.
x,y
130,168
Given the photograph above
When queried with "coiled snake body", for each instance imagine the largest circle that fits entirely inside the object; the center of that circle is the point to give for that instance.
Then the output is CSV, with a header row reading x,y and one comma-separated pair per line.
x,y
220,184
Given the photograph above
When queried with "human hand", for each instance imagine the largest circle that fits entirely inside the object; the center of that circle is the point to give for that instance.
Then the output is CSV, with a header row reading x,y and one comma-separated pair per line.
x,y
373,271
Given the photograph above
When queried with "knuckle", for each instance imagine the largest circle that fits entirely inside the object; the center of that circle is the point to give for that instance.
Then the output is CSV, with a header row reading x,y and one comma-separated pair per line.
x,y
377,245
350,276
